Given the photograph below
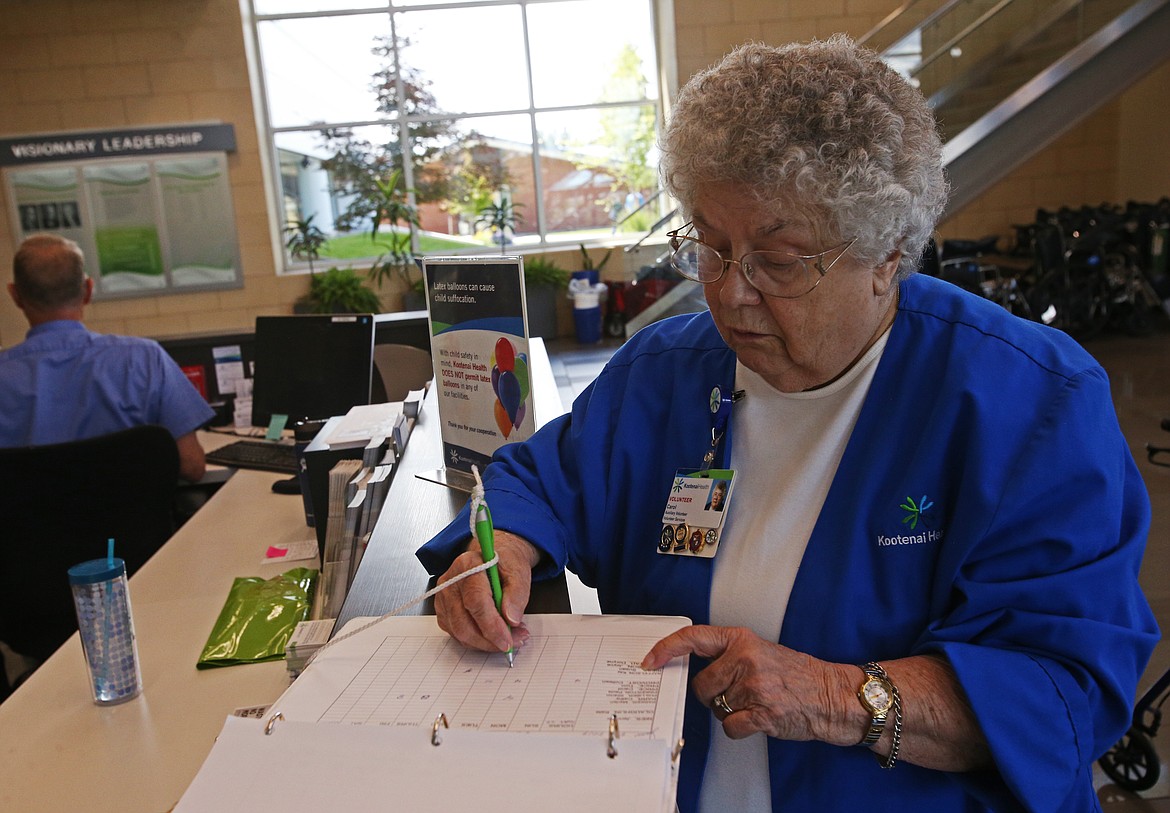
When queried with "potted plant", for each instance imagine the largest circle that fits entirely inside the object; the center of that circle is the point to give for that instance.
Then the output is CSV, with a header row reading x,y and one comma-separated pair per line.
x,y
391,207
305,240
379,202
338,290
593,271
587,293
543,278
503,217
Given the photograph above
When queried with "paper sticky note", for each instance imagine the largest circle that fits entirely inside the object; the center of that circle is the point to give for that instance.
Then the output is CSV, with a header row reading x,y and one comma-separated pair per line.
x,y
291,551
276,426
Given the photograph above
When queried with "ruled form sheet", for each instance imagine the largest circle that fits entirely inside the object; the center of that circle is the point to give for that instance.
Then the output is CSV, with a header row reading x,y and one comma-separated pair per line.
x,y
571,676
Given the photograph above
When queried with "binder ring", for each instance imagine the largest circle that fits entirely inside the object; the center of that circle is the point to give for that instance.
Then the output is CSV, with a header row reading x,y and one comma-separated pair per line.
x,y
271,723
611,749
435,740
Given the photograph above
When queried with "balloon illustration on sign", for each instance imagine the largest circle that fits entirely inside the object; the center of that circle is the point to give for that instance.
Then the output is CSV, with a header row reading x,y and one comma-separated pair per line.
x,y
510,384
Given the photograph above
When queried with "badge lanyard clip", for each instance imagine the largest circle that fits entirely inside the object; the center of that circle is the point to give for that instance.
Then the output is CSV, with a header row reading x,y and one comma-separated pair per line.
x,y
692,521
720,405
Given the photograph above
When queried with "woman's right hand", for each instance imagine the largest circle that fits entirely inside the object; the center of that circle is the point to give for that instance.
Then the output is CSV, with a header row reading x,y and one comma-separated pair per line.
x,y
467,612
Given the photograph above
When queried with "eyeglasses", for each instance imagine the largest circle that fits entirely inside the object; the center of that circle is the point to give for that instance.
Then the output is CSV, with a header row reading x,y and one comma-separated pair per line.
x,y
773,273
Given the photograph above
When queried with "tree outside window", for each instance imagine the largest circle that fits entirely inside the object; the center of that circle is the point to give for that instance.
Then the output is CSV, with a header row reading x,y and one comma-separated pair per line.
x,y
550,101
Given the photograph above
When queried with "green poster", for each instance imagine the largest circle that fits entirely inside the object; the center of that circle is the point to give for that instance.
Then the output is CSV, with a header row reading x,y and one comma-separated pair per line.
x,y
126,226
197,214
129,250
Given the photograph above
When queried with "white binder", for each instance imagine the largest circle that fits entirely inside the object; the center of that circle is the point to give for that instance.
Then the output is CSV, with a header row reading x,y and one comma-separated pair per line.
x,y
399,716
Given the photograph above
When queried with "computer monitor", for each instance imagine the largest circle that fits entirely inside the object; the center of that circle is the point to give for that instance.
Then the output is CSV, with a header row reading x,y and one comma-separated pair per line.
x,y
311,367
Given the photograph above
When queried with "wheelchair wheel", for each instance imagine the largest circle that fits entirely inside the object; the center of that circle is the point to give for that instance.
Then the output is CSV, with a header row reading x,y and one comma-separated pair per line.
x,y
1132,763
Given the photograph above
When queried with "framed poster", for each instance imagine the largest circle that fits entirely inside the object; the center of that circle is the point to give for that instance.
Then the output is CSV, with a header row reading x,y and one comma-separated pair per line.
x,y
479,345
152,211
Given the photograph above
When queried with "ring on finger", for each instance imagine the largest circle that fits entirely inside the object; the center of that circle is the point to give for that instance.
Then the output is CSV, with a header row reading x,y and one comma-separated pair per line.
x,y
720,703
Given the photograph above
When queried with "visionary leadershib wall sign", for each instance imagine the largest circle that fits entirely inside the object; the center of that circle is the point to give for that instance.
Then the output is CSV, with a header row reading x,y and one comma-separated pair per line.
x,y
479,344
150,207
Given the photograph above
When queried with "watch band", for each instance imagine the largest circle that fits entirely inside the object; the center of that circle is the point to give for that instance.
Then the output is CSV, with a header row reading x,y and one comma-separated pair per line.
x,y
877,724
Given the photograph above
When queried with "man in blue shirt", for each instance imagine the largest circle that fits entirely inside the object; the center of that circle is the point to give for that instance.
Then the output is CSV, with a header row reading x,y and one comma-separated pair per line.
x,y
66,383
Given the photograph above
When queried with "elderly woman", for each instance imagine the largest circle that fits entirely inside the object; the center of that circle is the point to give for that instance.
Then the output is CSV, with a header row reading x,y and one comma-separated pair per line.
x,y
930,549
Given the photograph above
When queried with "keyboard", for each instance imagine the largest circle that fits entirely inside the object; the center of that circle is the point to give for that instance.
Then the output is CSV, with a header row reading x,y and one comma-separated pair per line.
x,y
256,454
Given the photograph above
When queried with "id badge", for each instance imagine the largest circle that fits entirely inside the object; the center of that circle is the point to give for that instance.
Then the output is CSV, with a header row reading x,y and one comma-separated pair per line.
x,y
695,510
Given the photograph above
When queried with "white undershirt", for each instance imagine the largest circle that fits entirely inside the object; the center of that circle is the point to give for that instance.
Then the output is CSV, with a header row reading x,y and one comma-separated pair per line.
x,y
785,452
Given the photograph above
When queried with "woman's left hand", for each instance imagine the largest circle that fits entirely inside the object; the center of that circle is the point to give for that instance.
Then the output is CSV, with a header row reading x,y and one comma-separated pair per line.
x,y
792,696
770,688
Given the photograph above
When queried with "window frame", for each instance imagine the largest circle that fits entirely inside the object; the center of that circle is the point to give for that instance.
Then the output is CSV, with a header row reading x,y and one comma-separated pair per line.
x,y
392,9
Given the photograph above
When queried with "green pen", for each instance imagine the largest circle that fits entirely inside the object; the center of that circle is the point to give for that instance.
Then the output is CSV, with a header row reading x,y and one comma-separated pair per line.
x,y
485,533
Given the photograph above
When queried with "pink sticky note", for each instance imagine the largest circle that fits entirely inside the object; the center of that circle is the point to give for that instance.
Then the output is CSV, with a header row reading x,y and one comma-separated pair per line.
x,y
275,552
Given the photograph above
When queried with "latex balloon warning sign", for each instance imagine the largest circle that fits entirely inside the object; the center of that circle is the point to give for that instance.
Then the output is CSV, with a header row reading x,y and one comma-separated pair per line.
x,y
479,343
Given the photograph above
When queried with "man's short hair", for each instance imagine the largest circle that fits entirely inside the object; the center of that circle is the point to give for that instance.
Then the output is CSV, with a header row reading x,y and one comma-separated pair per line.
x,y
48,272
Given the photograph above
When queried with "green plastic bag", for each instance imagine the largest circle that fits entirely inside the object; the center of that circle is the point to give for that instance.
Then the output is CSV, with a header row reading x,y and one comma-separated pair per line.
x,y
258,618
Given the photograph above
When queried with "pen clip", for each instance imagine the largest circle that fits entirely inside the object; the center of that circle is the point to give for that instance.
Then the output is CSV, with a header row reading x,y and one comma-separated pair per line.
x,y
611,748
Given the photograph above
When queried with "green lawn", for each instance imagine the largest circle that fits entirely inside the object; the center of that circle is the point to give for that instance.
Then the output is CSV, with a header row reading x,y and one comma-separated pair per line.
x,y
359,246
355,246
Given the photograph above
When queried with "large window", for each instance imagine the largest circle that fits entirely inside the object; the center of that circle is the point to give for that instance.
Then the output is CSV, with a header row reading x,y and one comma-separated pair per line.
x,y
544,111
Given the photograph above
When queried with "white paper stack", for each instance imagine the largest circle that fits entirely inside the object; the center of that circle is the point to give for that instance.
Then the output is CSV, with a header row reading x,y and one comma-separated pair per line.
x,y
334,580
363,423
307,638
412,406
242,411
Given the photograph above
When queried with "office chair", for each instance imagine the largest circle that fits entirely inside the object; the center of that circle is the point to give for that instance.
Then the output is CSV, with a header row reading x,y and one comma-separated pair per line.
x,y
59,504
402,368
5,688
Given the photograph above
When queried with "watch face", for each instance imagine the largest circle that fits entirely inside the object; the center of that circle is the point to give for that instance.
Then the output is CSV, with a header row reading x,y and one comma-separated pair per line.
x,y
876,695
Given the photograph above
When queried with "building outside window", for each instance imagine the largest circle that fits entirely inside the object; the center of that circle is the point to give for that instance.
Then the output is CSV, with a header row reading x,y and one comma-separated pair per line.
x,y
546,107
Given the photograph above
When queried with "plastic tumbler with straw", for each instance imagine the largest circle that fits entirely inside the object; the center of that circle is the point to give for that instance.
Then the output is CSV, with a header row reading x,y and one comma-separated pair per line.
x,y
102,599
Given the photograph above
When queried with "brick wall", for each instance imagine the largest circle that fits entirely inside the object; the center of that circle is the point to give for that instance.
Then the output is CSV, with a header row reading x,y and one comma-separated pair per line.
x,y
69,65
707,29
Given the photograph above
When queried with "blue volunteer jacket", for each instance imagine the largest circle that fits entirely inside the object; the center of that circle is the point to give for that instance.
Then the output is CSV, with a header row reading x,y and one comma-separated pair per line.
x,y
1018,560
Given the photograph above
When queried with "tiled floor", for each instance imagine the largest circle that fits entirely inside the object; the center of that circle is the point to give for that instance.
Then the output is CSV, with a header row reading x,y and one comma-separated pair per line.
x,y
1139,369
1140,373
575,365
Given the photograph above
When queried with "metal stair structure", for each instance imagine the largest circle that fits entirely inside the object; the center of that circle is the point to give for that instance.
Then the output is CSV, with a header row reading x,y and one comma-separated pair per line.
x,y
1006,78
1060,61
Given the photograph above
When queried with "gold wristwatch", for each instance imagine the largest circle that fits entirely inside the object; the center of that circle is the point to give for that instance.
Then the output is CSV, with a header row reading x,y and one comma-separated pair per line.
x,y
877,695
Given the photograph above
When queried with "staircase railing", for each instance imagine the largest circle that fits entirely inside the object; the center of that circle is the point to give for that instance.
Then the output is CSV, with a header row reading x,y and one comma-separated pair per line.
x,y
904,21
968,55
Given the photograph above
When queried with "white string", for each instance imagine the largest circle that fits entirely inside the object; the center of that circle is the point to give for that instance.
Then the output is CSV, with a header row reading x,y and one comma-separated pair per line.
x,y
402,607
477,499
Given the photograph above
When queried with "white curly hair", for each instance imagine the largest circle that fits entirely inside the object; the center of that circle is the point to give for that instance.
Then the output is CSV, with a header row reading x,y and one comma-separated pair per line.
x,y
826,124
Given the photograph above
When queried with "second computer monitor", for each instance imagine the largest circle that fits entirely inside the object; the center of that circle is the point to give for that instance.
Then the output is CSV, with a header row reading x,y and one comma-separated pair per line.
x,y
311,367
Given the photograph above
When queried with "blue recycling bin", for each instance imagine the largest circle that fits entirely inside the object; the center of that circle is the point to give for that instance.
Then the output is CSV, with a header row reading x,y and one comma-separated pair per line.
x,y
588,322
586,293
